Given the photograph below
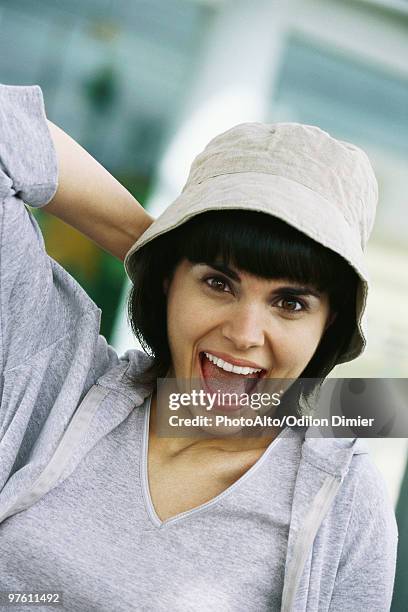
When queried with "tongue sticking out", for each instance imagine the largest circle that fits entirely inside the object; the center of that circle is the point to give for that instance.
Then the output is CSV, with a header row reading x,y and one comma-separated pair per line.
x,y
218,379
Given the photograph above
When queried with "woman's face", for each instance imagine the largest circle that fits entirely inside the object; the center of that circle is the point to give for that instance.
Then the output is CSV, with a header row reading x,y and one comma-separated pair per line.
x,y
275,325
233,332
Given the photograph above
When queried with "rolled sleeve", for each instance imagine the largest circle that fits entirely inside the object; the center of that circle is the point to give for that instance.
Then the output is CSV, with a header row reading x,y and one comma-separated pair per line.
x,y
28,161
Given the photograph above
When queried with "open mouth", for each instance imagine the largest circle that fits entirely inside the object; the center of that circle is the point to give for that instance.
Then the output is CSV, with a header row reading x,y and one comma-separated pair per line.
x,y
215,378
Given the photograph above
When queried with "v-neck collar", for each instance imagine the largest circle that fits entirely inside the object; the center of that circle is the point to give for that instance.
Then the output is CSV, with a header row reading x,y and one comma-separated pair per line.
x,y
153,516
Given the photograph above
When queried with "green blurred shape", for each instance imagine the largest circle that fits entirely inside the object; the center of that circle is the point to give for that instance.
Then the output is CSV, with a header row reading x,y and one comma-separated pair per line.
x,y
101,88
100,274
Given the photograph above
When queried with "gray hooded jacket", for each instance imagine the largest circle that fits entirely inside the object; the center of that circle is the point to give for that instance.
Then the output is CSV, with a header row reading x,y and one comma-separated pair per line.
x,y
64,390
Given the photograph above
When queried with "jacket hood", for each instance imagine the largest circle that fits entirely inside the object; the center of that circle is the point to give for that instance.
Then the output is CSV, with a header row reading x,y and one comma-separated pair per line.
x,y
90,422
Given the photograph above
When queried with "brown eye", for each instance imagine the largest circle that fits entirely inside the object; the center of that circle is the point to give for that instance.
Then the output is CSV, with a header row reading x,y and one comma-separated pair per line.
x,y
291,305
217,283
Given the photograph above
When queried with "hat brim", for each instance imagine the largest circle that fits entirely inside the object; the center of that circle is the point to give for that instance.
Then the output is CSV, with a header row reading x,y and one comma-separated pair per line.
x,y
292,202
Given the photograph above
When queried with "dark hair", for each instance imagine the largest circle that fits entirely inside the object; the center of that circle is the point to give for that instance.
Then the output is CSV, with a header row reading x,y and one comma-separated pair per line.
x,y
255,243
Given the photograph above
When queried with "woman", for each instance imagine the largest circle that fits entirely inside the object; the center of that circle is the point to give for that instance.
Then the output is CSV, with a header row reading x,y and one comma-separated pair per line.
x,y
257,265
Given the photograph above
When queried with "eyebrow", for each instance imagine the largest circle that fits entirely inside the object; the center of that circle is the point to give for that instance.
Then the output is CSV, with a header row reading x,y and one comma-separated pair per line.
x,y
295,290
225,270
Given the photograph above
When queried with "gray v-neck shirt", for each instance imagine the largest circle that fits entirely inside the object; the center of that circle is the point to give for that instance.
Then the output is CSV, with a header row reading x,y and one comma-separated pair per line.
x,y
97,538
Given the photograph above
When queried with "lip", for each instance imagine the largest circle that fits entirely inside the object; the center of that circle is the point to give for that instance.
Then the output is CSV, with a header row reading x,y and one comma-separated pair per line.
x,y
235,361
229,407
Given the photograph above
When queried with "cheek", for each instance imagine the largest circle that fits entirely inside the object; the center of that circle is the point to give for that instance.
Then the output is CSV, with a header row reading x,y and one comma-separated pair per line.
x,y
180,323
311,338
188,319
300,342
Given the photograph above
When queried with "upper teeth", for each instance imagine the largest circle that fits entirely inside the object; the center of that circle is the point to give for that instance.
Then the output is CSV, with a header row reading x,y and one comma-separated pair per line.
x,y
228,367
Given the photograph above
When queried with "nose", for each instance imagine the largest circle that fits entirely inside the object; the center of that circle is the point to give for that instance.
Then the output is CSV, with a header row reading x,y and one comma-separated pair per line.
x,y
244,327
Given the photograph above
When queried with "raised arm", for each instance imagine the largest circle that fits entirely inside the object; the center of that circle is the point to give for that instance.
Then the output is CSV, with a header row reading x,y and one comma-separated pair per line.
x,y
92,201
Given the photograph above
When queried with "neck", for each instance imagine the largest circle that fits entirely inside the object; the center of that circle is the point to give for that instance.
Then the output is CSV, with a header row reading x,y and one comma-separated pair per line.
x,y
233,443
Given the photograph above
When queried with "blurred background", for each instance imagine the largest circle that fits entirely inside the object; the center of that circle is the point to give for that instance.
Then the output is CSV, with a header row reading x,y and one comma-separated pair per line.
x,y
144,85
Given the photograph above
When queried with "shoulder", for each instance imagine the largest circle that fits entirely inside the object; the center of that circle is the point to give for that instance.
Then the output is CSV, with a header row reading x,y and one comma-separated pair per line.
x,y
125,376
370,499
366,565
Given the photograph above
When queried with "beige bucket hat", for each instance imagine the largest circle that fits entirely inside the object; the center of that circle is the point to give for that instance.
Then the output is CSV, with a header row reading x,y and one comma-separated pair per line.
x,y
324,187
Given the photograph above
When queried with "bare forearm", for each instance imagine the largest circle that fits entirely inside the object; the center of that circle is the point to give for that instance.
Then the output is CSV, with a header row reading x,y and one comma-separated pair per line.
x,y
92,200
